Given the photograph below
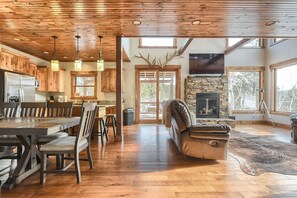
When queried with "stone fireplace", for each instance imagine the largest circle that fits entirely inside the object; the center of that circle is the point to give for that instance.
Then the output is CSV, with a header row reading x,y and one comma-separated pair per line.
x,y
207,87
207,105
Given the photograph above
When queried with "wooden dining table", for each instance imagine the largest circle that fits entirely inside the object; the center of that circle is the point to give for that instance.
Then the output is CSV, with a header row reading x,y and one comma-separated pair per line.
x,y
27,130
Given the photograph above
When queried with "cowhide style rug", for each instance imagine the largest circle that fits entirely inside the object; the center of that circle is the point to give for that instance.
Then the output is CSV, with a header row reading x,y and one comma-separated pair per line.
x,y
259,154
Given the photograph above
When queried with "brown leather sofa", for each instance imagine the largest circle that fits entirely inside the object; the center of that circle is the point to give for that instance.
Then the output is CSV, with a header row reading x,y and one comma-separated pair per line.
x,y
191,139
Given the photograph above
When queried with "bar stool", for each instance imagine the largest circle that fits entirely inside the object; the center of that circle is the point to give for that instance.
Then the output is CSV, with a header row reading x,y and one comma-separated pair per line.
x,y
110,121
102,130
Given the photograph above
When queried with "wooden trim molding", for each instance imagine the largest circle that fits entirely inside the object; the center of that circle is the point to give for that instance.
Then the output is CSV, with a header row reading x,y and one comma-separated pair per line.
x,y
185,45
282,64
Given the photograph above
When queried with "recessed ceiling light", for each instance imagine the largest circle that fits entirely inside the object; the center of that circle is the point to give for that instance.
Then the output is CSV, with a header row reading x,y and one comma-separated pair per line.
x,y
65,57
16,39
45,52
136,22
91,56
270,23
196,22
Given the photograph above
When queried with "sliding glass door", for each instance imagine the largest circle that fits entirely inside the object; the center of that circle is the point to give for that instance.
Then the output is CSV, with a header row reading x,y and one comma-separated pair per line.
x,y
153,87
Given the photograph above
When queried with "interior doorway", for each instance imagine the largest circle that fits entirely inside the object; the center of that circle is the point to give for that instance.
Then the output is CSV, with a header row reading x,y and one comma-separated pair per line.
x,y
154,85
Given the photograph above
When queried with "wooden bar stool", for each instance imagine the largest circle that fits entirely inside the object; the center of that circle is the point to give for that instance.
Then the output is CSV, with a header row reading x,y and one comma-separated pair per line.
x,y
111,122
102,130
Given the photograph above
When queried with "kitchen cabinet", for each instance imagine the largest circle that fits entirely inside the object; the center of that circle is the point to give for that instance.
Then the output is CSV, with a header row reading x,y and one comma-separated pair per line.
x,y
6,61
32,70
111,110
41,77
18,64
108,80
50,81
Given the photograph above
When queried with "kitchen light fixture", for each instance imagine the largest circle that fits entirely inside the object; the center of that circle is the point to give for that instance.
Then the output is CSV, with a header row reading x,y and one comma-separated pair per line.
x,y
100,61
54,61
77,62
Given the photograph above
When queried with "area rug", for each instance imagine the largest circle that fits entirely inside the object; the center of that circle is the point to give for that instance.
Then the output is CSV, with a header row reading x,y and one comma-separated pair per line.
x,y
259,154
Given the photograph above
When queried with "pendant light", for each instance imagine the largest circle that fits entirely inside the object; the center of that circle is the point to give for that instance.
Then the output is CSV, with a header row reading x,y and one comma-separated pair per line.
x,y
100,61
54,61
77,62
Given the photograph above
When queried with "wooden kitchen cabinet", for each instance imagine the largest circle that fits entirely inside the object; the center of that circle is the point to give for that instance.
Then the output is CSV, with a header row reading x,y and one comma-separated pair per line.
x,y
6,61
111,110
108,80
32,69
50,81
41,77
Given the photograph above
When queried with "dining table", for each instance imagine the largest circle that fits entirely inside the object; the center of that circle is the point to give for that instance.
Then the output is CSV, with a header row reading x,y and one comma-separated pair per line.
x,y
27,131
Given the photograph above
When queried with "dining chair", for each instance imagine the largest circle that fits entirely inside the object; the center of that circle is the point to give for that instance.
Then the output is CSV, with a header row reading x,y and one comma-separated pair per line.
x,y
8,142
59,109
71,145
38,110
33,109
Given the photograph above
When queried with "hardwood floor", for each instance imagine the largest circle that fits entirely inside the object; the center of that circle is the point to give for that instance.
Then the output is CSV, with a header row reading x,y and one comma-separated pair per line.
x,y
148,164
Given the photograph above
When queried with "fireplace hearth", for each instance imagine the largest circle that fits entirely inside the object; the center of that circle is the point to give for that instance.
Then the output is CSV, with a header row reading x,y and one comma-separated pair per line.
x,y
207,105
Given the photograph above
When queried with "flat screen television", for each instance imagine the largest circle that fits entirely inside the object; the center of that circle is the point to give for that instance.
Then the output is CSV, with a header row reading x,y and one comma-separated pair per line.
x,y
206,64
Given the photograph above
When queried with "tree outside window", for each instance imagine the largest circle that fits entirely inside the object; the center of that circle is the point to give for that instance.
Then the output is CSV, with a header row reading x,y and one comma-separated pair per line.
x,y
286,89
244,90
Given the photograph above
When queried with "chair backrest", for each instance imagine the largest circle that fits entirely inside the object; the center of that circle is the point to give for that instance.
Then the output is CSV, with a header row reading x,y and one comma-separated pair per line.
x,y
59,109
33,109
8,109
86,122
181,113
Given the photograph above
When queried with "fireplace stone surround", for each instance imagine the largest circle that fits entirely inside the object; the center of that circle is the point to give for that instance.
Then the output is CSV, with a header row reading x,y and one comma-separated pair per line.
x,y
209,84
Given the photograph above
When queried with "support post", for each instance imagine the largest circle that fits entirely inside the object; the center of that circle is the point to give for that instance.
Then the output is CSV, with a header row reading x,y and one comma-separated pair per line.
x,y
119,98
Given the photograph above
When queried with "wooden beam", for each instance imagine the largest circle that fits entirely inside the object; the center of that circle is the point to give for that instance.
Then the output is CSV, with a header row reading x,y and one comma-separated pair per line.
x,y
184,45
237,45
119,98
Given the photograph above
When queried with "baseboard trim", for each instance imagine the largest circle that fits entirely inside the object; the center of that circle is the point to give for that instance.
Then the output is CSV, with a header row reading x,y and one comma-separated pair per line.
x,y
280,125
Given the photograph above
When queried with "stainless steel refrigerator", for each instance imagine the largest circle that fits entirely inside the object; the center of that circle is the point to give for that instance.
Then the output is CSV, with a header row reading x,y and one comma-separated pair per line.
x,y
18,88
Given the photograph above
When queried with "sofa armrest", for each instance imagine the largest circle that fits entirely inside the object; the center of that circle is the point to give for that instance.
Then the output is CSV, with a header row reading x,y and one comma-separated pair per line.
x,y
210,128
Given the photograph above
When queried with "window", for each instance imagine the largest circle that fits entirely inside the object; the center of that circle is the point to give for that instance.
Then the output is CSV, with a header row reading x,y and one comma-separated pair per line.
x,y
275,41
285,87
157,42
84,85
255,43
244,88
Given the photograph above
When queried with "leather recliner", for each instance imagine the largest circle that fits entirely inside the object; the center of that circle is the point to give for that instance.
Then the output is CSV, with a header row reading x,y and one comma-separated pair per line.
x,y
207,141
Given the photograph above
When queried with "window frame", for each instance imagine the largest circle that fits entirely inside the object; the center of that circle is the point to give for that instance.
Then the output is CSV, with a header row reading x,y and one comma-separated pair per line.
x,y
273,41
74,75
259,69
273,68
261,41
160,47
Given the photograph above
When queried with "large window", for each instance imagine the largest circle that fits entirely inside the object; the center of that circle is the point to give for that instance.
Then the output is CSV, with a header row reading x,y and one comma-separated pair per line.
x,y
157,42
244,88
255,43
84,85
285,87
275,41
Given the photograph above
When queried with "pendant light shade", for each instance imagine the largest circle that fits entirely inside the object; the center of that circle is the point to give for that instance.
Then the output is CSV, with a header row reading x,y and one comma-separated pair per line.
x,y
100,61
54,61
77,62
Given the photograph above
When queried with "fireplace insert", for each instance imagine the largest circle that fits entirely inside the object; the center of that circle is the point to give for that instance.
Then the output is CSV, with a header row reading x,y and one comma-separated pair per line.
x,y
207,105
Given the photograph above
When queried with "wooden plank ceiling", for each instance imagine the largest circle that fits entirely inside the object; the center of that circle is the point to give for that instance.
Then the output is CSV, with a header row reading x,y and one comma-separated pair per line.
x,y
34,22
